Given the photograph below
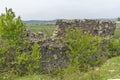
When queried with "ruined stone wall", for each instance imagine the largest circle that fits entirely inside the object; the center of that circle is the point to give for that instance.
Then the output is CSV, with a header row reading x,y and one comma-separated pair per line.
x,y
34,37
104,28
53,51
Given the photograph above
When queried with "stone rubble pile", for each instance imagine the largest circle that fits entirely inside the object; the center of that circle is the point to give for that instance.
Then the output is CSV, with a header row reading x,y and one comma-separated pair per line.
x,y
35,37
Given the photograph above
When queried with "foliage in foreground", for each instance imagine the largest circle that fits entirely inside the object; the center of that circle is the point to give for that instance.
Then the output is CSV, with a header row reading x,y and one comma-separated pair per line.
x,y
109,70
83,49
17,55
11,34
113,47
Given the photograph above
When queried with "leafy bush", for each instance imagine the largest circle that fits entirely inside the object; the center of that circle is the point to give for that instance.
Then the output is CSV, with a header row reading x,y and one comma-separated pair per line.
x,y
17,55
11,34
84,49
28,62
35,57
113,47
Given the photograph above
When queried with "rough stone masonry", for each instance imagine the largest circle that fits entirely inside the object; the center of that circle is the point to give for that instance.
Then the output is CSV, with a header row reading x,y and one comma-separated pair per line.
x,y
104,28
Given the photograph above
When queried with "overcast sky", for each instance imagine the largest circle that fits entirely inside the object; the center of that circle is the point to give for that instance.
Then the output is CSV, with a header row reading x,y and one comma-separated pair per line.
x,y
65,9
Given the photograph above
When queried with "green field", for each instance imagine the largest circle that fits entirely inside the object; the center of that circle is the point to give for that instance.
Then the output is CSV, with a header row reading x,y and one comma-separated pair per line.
x,y
45,28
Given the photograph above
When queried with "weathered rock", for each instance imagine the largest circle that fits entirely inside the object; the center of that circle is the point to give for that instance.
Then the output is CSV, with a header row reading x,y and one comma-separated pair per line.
x,y
53,55
35,37
104,28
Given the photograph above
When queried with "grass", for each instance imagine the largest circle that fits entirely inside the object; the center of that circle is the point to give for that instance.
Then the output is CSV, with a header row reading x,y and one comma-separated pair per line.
x,y
109,70
45,28
35,77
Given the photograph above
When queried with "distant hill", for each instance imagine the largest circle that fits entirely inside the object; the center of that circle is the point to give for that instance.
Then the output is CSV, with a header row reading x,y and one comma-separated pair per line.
x,y
113,19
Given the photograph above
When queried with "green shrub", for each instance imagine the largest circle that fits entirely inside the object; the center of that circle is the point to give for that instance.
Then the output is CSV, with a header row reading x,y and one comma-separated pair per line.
x,y
84,49
35,57
11,41
28,62
17,55
113,47
11,34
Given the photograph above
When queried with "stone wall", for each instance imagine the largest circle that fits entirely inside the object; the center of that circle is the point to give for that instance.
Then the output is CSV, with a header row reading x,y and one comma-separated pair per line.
x,y
104,28
53,51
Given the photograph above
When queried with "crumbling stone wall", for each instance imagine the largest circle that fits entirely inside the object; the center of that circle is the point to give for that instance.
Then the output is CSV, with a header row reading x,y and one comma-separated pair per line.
x,y
53,51
34,37
104,28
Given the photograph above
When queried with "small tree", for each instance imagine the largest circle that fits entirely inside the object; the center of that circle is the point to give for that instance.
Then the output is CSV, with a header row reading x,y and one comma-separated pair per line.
x,y
17,55
35,58
11,39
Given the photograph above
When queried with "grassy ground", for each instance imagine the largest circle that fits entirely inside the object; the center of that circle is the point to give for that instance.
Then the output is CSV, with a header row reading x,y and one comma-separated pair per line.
x,y
109,70
45,28
35,77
